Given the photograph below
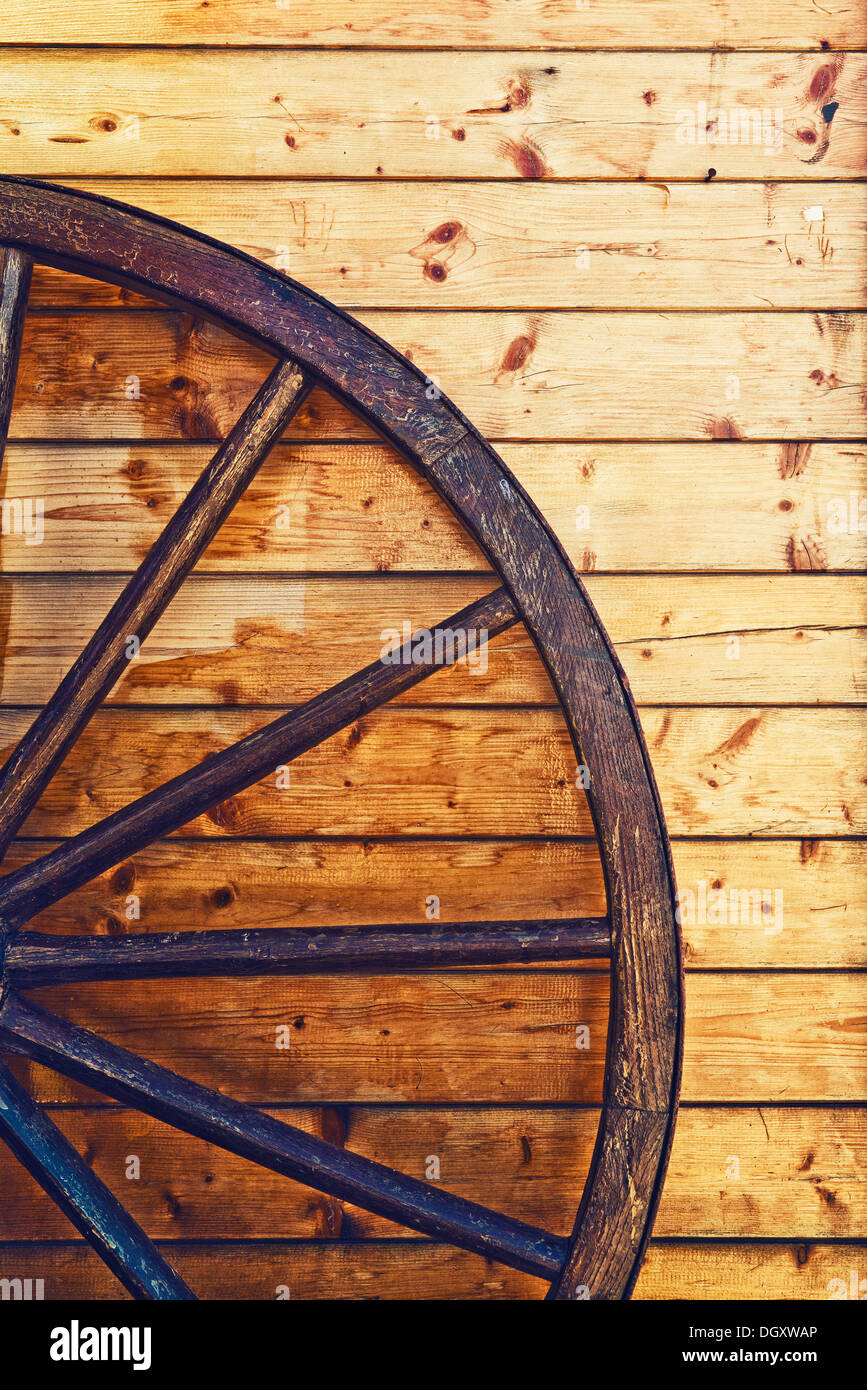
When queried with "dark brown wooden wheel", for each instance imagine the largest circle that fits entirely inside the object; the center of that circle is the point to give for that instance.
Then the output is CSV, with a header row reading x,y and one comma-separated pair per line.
x,y
313,342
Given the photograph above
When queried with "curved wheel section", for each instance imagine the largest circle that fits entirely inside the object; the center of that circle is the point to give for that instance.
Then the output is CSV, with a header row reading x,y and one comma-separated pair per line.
x,y
314,342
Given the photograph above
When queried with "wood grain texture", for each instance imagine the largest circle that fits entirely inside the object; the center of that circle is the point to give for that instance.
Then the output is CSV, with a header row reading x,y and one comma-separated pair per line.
x,y
758,508
469,245
722,771
232,770
416,1270
518,376
645,1030
16,269
45,1152
84,686
768,1172
616,24
258,640
729,507
276,1144
523,115
33,960
491,1038
313,884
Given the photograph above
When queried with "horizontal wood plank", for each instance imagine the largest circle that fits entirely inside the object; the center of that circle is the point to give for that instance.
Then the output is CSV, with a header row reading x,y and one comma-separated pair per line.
x,y
402,771
606,24
766,1172
246,641
183,885
390,1066
140,375
512,1036
478,246
666,507
422,1270
491,115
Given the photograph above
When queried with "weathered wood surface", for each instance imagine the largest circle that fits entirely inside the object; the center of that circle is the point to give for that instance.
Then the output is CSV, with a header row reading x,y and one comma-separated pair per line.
x,y
617,24
252,884
501,115
15,273
422,1270
276,1144
758,508
34,960
770,1172
645,1028
259,641
132,615
721,771
728,507
493,1038
484,245
146,375
229,772
28,1131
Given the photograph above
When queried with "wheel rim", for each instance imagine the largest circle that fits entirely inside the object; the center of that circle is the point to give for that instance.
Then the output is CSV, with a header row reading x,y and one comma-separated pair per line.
x,y
89,235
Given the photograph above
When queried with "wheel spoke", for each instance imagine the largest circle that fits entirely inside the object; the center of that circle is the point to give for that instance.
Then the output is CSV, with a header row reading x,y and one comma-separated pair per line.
x,y
179,801
16,268
34,960
49,1157
147,594
251,1134
86,234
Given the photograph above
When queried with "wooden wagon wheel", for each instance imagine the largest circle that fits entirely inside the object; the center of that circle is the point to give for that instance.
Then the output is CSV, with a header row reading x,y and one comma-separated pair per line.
x,y
314,342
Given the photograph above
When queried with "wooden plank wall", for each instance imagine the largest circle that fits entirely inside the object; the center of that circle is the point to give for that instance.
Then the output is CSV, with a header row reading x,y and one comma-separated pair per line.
x,y
661,327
